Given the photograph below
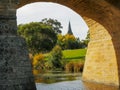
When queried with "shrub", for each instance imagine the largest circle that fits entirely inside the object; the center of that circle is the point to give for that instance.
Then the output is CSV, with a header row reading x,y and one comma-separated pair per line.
x,y
56,57
36,72
69,67
78,67
38,63
74,67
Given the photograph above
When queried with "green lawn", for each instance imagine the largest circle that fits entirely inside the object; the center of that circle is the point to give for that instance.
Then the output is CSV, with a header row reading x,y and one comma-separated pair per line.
x,y
74,55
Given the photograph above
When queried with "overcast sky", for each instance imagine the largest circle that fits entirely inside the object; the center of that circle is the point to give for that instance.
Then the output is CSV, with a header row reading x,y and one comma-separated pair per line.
x,y
38,11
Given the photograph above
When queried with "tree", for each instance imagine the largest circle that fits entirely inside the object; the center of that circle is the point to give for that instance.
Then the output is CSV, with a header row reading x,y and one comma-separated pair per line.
x,y
55,24
56,57
39,37
88,35
68,42
61,41
86,41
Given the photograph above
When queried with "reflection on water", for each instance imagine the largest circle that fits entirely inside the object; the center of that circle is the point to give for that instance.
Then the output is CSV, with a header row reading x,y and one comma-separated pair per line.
x,y
52,81
96,86
57,76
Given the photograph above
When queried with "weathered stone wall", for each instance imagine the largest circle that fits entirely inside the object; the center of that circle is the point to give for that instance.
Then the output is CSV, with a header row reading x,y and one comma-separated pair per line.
x,y
15,66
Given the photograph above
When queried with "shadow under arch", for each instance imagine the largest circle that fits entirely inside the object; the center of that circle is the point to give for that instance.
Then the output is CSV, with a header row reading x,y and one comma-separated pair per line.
x,y
109,16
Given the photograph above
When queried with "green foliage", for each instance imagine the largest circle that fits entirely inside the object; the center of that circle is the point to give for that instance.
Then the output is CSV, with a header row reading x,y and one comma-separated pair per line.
x,y
71,55
39,37
87,39
56,57
76,56
55,24
88,35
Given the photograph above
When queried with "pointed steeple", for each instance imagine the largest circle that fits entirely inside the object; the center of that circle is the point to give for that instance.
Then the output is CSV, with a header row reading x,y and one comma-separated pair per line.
x,y
69,29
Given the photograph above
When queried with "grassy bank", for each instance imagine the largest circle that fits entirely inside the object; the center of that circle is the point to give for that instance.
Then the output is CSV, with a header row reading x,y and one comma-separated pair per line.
x,y
74,55
73,61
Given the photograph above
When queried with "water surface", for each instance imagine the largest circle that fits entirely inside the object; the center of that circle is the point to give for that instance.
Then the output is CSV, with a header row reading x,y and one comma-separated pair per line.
x,y
57,76
74,85
58,80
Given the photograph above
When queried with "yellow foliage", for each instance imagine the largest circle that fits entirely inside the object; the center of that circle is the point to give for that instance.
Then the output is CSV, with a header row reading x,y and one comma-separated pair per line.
x,y
66,37
38,63
36,72
69,37
60,37
38,58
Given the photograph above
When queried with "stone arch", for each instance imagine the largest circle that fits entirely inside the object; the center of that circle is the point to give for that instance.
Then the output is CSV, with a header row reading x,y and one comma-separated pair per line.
x,y
101,61
106,13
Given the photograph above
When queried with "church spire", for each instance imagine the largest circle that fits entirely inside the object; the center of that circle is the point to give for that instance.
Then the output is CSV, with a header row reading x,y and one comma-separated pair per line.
x,y
69,29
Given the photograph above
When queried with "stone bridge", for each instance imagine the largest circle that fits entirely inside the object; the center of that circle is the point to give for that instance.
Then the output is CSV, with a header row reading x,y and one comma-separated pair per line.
x,y
103,56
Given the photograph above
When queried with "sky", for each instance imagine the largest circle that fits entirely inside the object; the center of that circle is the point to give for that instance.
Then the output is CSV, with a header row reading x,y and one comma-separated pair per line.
x,y
35,12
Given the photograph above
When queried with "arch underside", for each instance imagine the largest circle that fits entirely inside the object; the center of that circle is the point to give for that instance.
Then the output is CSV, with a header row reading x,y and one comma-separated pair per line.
x,y
103,55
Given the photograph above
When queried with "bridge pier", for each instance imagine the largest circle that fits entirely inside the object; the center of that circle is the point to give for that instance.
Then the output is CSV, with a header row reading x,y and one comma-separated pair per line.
x,y
15,66
102,58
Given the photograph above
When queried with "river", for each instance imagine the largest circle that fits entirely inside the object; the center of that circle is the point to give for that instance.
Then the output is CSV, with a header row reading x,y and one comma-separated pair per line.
x,y
67,81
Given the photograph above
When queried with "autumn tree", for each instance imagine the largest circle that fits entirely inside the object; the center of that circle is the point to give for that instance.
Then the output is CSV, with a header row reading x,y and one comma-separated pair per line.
x,y
68,42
